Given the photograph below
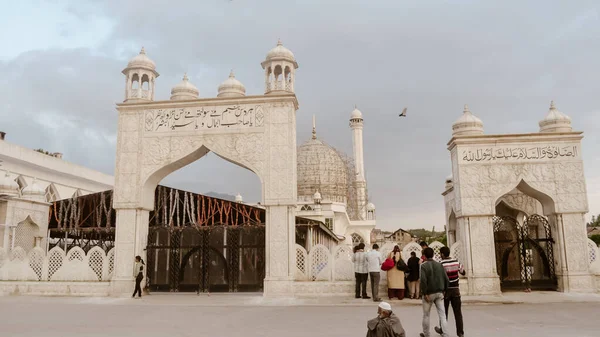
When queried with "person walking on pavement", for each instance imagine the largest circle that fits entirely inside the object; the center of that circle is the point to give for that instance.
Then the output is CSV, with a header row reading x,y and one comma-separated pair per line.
x,y
434,282
361,272
374,261
452,295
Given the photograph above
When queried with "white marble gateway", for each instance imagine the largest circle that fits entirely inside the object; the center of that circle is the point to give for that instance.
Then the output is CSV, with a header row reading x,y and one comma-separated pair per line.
x,y
515,204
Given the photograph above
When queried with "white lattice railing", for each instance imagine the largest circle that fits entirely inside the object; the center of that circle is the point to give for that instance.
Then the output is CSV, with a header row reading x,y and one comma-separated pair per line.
x,y
594,256
75,265
322,264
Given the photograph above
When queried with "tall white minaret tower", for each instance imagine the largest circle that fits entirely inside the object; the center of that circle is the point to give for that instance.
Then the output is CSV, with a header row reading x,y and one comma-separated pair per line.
x,y
360,184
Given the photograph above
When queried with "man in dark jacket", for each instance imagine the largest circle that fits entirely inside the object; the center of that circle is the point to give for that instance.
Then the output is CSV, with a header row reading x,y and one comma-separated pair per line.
x,y
414,265
434,282
386,324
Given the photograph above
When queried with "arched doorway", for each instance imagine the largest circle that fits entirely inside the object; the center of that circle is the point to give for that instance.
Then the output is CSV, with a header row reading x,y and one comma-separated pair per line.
x,y
524,253
158,139
205,255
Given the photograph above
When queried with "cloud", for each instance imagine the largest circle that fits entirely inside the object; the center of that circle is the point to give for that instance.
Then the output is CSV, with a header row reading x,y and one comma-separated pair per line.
x,y
503,59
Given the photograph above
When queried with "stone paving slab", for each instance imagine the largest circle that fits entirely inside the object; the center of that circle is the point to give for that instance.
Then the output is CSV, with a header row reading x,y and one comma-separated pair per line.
x,y
184,315
256,299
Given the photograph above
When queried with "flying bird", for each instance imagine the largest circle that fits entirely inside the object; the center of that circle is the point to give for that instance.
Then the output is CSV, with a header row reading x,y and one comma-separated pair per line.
x,y
403,114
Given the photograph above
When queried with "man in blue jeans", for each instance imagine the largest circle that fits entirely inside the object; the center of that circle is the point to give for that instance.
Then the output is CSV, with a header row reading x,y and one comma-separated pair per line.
x,y
434,282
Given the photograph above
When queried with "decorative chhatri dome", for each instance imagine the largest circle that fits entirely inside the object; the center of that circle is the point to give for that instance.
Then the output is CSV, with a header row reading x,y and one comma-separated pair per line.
x,y
142,61
370,207
184,90
280,53
322,169
238,198
555,121
467,125
231,87
8,186
34,189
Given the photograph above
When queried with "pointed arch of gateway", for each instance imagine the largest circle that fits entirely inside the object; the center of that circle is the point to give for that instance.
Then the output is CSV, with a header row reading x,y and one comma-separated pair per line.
x,y
158,138
537,193
520,176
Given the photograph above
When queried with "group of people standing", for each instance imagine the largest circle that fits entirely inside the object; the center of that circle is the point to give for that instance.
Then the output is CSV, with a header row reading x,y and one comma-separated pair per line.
x,y
437,284
400,276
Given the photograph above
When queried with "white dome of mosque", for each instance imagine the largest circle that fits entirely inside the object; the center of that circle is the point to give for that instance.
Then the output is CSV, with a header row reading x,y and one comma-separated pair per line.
x,y
555,121
33,189
280,52
184,90
322,169
355,114
231,87
370,206
238,198
467,125
7,185
141,61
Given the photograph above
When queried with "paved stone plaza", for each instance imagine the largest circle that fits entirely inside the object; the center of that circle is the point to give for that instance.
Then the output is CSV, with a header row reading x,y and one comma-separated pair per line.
x,y
191,315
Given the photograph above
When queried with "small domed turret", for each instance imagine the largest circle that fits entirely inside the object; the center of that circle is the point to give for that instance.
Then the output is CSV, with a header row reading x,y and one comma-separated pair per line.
x,y
141,75
231,87
33,191
467,125
8,186
280,70
356,114
142,61
555,121
184,90
238,198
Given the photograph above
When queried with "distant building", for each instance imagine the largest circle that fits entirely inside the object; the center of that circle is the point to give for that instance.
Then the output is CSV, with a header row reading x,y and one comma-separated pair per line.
x,y
593,231
401,237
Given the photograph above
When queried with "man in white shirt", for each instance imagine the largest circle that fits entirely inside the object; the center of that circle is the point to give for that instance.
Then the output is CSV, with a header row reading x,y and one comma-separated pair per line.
x,y
374,261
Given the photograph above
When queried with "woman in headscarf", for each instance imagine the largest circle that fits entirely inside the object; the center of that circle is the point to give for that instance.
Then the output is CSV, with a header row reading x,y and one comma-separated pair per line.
x,y
395,276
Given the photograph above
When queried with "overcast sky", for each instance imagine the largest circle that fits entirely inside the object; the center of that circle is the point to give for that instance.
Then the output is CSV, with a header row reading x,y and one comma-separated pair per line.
x,y
61,62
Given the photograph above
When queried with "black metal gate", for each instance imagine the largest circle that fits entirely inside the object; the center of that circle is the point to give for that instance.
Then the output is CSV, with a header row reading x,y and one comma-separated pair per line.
x,y
525,253
206,258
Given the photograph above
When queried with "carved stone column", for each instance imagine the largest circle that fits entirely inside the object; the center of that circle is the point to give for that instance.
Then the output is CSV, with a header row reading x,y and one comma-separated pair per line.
x,y
130,240
280,250
480,254
573,272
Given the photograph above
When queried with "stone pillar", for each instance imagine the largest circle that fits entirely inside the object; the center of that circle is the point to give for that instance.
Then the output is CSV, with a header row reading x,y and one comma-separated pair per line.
x,y
280,250
130,240
480,254
573,271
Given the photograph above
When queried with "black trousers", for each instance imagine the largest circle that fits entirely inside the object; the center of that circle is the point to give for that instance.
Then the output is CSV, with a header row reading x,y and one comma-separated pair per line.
x,y
361,284
138,288
453,298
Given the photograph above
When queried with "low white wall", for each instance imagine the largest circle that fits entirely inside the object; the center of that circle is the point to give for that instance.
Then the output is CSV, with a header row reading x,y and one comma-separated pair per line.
x,y
87,289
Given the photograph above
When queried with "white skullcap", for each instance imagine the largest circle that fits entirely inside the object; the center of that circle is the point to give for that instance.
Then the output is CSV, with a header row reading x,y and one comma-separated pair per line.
x,y
385,306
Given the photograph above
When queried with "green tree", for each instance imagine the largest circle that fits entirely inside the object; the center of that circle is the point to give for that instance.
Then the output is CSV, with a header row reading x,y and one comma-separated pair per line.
x,y
595,221
596,238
